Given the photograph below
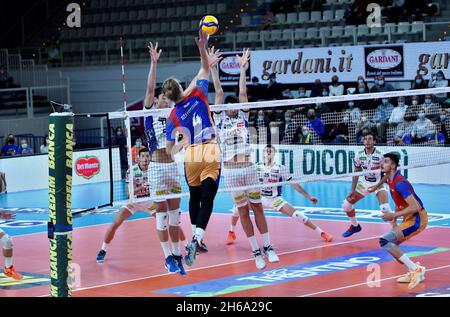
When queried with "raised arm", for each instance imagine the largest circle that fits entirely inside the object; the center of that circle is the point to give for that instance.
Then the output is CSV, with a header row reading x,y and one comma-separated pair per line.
x,y
243,60
151,81
219,99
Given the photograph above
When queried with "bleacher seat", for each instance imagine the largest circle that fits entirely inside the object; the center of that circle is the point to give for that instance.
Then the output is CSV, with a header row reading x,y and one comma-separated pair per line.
x,y
287,35
190,10
170,12
221,7
376,30
363,30
161,13
349,30
133,16
280,18
291,18
299,34
246,20
211,7
275,35
337,31
339,15
200,9
325,30
241,37
403,28
328,15
253,36
150,14
114,17
303,17
165,27
136,29
180,11
123,16
391,26
316,16
417,27
174,26
312,33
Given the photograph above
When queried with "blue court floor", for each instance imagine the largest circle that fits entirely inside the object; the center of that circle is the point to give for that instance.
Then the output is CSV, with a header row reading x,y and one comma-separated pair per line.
x,y
30,207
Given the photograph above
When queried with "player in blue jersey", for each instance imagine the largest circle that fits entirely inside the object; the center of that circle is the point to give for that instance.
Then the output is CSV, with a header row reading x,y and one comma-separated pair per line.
x,y
162,172
191,123
415,219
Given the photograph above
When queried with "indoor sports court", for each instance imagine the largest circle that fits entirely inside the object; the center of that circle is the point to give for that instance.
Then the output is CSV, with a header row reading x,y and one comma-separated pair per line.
x,y
243,149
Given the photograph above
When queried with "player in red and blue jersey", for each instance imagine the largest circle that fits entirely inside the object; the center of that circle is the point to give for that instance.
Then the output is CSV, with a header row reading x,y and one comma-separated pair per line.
x,y
415,219
191,123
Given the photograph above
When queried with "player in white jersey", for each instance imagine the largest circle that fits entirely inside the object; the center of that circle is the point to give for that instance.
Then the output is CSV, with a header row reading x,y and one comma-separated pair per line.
x,y
163,172
271,172
238,168
367,160
7,246
141,189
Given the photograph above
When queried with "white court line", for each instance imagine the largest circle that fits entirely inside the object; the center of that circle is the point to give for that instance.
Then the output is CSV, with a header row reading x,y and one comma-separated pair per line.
x,y
218,265
365,283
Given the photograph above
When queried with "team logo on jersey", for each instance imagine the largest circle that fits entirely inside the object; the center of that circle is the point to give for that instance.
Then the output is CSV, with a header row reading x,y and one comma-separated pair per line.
x,y
240,124
87,166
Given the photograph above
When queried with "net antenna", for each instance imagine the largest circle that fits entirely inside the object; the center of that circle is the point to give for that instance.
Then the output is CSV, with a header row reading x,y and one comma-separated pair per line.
x,y
127,121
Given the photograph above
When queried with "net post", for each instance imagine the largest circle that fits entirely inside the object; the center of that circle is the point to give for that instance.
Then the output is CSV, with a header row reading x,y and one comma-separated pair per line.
x,y
129,158
60,205
111,174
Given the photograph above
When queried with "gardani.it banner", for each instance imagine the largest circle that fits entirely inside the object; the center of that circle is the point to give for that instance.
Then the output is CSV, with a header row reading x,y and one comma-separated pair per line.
x,y
229,69
396,61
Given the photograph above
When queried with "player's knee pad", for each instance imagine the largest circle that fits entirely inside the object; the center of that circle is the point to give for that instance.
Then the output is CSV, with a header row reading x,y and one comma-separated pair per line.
x,y
161,221
346,206
300,216
388,241
7,242
174,218
385,207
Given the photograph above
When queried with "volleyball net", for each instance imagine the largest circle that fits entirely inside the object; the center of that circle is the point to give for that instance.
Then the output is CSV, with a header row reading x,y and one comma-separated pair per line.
x,y
315,139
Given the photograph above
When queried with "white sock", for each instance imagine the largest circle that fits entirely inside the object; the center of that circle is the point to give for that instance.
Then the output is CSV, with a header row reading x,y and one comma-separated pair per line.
x,y
318,230
354,221
104,246
8,262
266,239
407,261
253,243
193,229
232,228
176,248
199,232
166,249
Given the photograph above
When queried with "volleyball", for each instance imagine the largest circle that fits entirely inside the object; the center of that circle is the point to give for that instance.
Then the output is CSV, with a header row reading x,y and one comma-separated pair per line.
x,y
209,24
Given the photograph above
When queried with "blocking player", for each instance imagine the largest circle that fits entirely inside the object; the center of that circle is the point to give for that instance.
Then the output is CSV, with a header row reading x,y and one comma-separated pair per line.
x,y
415,219
7,246
162,172
367,160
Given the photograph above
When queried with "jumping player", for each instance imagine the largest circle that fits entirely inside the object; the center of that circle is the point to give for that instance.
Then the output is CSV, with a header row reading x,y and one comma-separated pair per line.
x,y
368,160
190,122
7,244
271,172
238,168
415,219
162,172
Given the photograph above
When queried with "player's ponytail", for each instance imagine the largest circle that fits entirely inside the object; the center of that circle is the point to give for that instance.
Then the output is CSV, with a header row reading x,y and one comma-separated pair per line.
x,y
172,89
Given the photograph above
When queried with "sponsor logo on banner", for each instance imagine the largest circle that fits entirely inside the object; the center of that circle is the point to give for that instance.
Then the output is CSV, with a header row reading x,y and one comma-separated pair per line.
x,y
87,166
386,61
229,69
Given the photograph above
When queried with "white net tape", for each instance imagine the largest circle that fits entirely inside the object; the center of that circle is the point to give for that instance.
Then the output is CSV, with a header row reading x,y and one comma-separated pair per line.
x,y
326,154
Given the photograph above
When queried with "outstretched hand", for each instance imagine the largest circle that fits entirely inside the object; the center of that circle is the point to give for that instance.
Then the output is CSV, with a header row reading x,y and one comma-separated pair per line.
x,y
214,56
202,39
153,51
243,60
314,200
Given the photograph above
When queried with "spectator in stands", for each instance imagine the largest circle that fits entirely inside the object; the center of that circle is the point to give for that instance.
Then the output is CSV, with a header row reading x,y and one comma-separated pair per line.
x,y
354,112
256,91
6,81
135,150
10,147
120,140
287,94
287,126
381,85
402,138
439,80
365,125
398,114
415,9
321,108
262,126
274,89
362,87
336,88
315,123
317,89
302,136
420,128
413,110
381,117
24,148
397,11
339,131
44,147
362,133
432,109
433,136
419,83
358,13
302,92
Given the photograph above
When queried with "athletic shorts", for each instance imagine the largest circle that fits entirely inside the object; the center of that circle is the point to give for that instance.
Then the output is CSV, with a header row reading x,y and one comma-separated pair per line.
x,y
240,177
364,185
414,224
202,161
145,206
275,203
163,180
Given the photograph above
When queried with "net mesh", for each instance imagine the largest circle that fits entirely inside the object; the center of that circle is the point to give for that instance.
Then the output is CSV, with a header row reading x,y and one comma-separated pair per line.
x,y
314,139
